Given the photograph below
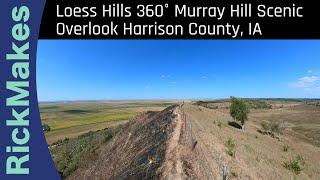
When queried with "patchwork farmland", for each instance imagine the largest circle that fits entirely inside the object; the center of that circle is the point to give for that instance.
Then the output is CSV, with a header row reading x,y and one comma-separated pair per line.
x,y
71,119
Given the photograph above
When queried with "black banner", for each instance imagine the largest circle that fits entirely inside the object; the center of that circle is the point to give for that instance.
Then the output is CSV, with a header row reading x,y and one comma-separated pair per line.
x,y
180,19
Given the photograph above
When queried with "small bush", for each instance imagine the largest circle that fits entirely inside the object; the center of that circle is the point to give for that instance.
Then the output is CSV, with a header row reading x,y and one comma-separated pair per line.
x,y
234,174
46,128
219,124
231,147
274,128
285,147
294,164
278,127
265,126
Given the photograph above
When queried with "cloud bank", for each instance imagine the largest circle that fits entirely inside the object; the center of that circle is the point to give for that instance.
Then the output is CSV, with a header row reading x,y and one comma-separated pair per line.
x,y
310,84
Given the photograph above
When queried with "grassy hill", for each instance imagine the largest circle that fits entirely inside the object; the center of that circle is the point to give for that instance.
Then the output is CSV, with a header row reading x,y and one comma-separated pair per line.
x,y
156,145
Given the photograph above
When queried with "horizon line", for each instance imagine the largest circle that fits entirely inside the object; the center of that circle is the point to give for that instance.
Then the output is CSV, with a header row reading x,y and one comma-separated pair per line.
x,y
172,99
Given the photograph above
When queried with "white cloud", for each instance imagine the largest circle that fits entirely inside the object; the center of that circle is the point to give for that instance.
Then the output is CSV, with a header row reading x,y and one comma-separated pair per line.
x,y
164,76
204,77
310,71
173,82
309,79
309,84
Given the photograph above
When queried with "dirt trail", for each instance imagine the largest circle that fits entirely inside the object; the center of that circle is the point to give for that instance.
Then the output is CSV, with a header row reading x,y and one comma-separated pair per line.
x,y
172,165
203,162
208,158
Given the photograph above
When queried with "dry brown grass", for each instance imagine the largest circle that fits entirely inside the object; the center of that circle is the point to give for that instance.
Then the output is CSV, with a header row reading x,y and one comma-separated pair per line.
x,y
137,153
142,149
257,156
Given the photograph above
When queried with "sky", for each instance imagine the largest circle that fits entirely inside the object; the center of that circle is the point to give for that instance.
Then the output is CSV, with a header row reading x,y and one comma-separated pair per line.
x,y
70,70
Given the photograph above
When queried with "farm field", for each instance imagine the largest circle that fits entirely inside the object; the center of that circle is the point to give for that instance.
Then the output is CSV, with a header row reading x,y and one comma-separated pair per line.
x,y
72,119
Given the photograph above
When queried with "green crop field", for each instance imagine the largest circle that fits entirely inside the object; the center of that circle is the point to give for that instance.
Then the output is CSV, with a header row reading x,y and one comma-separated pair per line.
x,y
72,119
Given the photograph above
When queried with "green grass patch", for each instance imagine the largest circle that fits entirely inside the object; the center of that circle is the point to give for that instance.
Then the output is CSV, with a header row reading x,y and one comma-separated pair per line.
x,y
295,164
78,111
68,154
92,119
68,119
285,147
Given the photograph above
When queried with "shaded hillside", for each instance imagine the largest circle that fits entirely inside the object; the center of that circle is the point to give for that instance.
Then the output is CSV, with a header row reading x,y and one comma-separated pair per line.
x,y
136,153
67,154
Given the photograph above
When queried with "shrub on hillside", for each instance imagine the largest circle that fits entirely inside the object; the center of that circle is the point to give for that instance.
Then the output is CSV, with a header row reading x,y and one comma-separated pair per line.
x,y
278,126
285,147
234,174
294,164
265,126
231,147
46,128
274,128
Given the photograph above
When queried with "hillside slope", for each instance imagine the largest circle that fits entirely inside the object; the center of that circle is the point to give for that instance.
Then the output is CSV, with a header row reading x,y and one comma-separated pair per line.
x,y
189,142
257,156
137,153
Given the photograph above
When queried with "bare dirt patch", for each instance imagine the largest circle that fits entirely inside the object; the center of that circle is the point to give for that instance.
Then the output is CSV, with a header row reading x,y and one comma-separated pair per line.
x,y
173,165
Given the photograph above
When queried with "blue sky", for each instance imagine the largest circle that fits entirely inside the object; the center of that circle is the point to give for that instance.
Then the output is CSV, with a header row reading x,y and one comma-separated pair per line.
x,y
103,70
